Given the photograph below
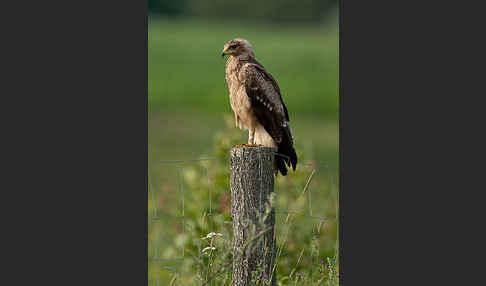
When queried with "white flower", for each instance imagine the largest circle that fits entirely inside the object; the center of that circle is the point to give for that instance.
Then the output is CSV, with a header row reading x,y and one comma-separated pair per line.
x,y
209,248
211,234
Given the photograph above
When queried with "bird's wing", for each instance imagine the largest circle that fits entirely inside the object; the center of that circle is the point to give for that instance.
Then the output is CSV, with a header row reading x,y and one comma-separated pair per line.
x,y
266,101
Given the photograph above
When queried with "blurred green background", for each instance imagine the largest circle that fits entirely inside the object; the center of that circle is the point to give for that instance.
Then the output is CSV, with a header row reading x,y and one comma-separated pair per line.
x,y
190,116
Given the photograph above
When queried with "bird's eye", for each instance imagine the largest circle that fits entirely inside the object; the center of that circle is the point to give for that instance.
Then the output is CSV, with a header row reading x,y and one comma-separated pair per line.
x,y
232,47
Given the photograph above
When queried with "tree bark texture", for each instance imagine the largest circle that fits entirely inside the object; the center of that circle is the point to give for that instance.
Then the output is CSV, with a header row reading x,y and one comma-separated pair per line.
x,y
252,181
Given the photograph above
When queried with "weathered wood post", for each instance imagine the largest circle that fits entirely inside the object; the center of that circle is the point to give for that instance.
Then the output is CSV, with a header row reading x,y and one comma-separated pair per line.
x,y
252,178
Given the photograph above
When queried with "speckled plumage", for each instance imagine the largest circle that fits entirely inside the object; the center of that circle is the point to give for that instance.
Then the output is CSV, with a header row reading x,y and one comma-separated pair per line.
x,y
257,103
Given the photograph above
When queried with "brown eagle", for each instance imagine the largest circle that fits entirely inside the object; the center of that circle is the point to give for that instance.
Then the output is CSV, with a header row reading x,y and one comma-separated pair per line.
x,y
257,103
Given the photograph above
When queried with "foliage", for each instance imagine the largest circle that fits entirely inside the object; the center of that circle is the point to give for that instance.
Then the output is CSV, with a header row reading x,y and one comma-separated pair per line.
x,y
251,10
203,236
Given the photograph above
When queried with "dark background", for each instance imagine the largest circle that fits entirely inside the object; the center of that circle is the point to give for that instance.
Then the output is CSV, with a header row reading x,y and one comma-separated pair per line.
x,y
272,11
75,187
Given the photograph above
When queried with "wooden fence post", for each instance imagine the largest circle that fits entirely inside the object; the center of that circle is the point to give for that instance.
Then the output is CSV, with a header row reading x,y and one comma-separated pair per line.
x,y
252,180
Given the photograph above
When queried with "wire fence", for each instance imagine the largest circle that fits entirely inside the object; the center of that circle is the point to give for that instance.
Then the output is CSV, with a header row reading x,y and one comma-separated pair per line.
x,y
191,199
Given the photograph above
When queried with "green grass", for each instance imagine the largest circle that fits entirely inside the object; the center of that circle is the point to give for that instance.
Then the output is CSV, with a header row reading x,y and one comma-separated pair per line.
x,y
186,68
189,135
296,235
190,117
188,94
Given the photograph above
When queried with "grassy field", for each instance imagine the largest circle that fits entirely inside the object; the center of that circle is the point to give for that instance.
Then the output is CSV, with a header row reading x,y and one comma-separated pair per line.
x,y
186,68
190,117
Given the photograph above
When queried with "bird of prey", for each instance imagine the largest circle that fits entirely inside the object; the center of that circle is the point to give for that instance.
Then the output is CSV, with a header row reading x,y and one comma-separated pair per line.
x,y
257,103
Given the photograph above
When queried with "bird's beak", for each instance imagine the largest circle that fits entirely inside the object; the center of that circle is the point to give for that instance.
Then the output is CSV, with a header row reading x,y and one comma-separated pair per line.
x,y
227,52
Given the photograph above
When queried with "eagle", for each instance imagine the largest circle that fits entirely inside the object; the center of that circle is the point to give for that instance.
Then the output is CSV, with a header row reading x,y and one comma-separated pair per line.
x,y
257,103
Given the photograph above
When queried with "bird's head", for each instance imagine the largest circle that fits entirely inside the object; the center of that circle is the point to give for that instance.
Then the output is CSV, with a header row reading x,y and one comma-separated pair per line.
x,y
238,47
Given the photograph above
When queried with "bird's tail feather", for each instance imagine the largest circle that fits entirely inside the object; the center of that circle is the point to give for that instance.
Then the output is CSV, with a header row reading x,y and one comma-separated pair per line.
x,y
286,157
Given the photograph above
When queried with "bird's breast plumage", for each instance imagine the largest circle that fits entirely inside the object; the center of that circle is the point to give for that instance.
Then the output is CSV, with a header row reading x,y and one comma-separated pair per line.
x,y
240,102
